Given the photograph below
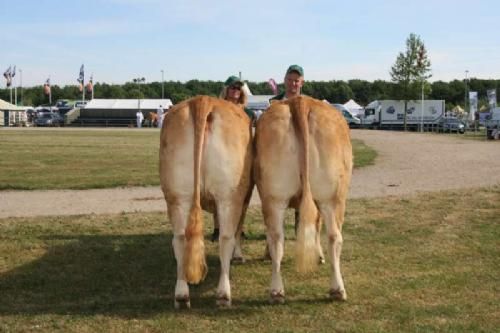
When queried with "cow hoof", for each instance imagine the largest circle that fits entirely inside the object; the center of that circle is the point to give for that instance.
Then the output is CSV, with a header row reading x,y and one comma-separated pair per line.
x,y
182,302
238,260
277,297
223,301
338,295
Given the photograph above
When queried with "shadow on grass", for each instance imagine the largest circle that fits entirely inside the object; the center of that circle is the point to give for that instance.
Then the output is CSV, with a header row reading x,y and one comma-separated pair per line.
x,y
128,275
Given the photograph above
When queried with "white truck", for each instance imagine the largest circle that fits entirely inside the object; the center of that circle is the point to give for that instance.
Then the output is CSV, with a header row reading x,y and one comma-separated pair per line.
x,y
389,114
492,124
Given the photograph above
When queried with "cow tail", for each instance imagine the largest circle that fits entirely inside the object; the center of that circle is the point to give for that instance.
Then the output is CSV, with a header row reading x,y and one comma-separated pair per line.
x,y
306,249
195,266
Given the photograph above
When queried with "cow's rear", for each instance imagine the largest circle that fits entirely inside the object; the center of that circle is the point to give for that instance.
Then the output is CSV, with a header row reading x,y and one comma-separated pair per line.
x,y
303,160
205,162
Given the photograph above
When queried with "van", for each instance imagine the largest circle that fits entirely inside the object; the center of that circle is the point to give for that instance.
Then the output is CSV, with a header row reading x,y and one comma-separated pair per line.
x,y
351,119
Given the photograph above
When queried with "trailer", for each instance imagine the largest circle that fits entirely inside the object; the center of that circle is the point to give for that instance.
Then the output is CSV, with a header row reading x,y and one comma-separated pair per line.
x,y
389,114
492,124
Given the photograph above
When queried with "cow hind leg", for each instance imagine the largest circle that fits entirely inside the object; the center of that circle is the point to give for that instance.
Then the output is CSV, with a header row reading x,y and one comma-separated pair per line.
x,y
318,240
228,219
178,220
238,253
333,218
273,217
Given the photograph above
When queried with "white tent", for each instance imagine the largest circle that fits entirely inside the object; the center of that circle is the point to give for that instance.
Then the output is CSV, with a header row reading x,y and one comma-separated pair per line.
x,y
11,114
259,102
354,107
6,106
125,104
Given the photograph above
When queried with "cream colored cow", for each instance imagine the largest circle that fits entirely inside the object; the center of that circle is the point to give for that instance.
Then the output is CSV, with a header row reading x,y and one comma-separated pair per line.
x,y
303,160
205,162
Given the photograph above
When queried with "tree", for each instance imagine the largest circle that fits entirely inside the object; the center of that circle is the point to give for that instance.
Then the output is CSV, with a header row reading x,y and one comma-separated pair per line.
x,y
410,69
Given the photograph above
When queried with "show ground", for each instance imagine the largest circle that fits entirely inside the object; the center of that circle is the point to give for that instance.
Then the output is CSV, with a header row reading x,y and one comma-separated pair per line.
x,y
407,163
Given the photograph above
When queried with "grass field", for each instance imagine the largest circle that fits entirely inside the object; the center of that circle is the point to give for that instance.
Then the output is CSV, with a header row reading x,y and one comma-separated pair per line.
x,y
427,263
82,159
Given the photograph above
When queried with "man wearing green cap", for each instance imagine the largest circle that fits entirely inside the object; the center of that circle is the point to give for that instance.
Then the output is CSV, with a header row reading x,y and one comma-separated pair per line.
x,y
294,80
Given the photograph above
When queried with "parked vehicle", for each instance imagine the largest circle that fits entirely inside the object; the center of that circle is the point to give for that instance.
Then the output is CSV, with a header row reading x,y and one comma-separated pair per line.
x,y
64,105
390,114
451,124
351,119
30,115
80,104
492,123
49,119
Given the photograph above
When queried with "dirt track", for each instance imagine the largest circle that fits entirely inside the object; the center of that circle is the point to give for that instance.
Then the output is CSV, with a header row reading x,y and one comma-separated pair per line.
x,y
407,163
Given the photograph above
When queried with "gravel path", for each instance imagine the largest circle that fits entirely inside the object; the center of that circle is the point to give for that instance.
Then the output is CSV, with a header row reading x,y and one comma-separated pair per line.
x,y
407,163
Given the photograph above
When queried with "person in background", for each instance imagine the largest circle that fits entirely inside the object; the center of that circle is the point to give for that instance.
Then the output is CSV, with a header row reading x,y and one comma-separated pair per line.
x,y
159,114
232,92
139,118
294,80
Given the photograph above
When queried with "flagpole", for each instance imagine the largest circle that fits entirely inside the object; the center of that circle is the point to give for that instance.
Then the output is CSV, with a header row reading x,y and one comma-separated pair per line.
x,y
50,95
21,84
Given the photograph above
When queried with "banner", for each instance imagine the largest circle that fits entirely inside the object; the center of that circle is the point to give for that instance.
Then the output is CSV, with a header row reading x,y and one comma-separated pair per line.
x,y
472,104
492,98
90,85
274,87
46,87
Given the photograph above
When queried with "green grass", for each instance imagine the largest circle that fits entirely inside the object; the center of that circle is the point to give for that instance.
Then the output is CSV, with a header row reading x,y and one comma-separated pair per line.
x,y
78,159
83,159
363,155
427,263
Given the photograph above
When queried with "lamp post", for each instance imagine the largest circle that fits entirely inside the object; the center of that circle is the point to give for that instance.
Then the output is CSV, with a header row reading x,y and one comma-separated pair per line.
x,y
466,88
21,84
422,111
421,68
139,80
162,84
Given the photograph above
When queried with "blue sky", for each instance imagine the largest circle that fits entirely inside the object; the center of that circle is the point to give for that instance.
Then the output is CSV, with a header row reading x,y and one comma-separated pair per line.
x,y
119,40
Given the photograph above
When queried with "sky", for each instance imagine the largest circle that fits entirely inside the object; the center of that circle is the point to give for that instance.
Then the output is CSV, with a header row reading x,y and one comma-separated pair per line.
x,y
119,40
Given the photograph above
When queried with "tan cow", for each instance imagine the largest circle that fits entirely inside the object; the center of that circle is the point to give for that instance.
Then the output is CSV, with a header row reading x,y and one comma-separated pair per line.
x,y
303,160
205,162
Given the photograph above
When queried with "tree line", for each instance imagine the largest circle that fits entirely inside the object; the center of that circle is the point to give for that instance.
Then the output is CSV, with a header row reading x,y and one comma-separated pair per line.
x,y
338,91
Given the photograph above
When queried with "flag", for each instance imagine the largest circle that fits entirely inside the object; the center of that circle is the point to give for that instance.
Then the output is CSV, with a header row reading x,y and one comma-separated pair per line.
x,y
81,76
8,76
492,98
273,86
46,87
90,85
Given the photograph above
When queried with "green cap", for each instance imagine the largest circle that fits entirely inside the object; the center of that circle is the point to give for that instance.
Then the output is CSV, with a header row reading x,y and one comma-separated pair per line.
x,y
295,68
232,80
